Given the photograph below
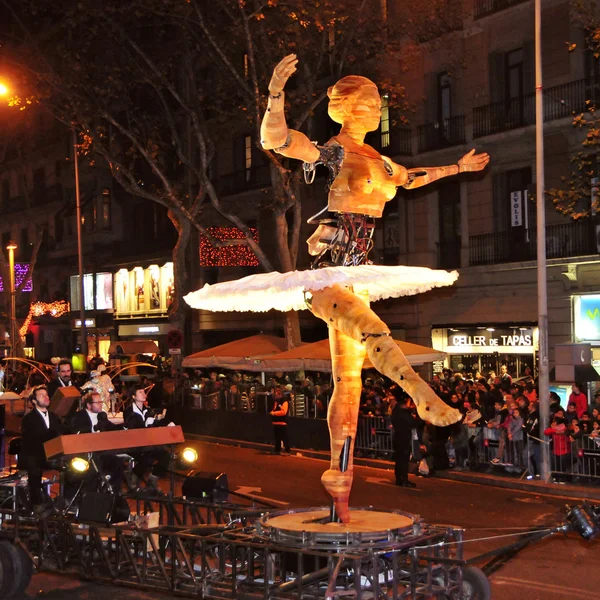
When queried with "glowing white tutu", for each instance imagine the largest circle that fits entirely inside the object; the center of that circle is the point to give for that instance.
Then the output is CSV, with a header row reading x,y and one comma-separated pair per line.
x,y
285,291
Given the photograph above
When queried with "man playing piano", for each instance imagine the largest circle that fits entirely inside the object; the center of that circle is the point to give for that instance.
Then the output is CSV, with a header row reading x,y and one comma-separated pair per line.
x,y
92,419
138,416
38,426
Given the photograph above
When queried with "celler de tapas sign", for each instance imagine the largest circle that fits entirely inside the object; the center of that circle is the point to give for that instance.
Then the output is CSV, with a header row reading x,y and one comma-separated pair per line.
x,y
488,340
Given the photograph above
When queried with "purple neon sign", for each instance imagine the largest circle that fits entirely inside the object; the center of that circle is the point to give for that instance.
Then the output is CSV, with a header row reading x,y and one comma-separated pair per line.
x,y
21,270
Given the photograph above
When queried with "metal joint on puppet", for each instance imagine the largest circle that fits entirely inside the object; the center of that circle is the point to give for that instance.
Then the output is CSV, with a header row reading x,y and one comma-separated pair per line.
x,y
366,336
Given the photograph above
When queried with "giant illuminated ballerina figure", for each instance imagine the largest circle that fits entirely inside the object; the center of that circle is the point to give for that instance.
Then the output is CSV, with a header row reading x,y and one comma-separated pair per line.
x,y
343,281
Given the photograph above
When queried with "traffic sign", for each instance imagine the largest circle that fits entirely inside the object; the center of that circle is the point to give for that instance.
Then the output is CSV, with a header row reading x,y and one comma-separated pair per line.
x,y
175,338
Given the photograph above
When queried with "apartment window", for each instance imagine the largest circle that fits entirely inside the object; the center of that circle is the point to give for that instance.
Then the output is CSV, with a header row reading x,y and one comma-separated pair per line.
x,y
385,122
59,227
444,98
331,37
450,222
39,179
514,74
24,245
106,209
5,191
94,214
248,156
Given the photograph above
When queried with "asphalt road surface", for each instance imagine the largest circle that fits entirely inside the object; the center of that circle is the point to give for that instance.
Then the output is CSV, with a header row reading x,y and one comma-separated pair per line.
x,y
559,568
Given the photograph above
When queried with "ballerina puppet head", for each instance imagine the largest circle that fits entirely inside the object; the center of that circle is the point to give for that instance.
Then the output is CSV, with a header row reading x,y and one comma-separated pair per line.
x,y
355,98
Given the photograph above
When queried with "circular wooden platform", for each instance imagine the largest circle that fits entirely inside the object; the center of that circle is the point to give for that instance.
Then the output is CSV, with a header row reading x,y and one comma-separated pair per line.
x,y
311,528
361,521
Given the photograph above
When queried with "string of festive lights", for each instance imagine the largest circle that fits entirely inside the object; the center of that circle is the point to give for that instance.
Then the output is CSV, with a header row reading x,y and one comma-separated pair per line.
x,y
37,309
227,256
21,271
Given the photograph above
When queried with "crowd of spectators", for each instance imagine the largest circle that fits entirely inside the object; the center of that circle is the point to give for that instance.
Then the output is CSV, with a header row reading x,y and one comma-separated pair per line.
x,y
500,424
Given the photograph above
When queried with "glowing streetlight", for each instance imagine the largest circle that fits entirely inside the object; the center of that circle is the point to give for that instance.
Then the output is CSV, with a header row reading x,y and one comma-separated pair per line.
x,y
4,91
13,304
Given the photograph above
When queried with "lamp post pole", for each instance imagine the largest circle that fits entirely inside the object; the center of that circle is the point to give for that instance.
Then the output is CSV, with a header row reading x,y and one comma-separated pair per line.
x,y
13,300
543,367
79,250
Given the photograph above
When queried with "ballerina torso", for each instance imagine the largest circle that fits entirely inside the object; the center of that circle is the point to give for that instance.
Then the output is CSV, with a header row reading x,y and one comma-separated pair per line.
x,y
364,183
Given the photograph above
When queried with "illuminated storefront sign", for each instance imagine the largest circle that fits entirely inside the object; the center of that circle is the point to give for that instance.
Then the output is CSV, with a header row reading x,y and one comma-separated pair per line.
x,y
486,340
101,293
148,291
143,330
586,318
88,323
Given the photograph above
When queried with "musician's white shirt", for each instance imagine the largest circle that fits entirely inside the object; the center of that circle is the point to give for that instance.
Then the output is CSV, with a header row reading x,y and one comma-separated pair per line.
x,y
94,419
45,416
142,414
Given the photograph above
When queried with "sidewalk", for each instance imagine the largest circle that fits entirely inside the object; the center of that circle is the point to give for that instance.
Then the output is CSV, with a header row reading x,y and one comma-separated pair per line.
x,y
569,490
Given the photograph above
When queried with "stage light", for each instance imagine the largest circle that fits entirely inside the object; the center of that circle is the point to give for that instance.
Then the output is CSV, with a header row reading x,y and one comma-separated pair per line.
x,y
79,465
189,455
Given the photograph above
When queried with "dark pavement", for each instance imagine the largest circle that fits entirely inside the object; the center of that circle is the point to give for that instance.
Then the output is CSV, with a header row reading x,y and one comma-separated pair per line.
x,y
560,567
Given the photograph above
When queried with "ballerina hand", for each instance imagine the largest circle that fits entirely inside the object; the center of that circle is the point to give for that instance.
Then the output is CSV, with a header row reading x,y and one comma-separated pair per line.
x,y
473,162
281,73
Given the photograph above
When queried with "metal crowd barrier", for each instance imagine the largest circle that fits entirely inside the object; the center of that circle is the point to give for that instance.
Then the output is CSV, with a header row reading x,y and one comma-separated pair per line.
x,y
374,437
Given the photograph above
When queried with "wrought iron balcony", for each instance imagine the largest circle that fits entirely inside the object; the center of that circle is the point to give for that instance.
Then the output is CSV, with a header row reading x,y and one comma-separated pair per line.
x,y
576,238
488,7
449,132
560,101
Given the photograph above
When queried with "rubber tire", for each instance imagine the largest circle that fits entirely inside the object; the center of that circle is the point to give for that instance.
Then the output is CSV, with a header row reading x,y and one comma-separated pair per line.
x,y
26,571
477,584
11,570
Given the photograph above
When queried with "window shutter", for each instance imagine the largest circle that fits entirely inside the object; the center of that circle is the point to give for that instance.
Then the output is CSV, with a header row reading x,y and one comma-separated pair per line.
x,y
501,203
528,67
497,72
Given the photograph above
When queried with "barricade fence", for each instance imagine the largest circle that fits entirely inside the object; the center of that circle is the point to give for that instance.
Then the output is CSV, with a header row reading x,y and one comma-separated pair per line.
x,y
483,446
486,447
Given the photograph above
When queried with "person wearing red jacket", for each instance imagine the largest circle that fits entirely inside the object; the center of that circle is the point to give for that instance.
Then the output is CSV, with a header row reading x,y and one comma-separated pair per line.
x,y
561,445
579,398
279,417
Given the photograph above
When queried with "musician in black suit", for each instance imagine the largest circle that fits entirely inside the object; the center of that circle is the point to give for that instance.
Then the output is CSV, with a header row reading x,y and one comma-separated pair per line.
x,y
138,416
38,426
65,373
92,419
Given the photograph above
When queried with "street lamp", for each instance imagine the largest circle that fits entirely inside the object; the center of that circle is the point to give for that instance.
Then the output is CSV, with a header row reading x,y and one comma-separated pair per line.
x,y
13,304
4,90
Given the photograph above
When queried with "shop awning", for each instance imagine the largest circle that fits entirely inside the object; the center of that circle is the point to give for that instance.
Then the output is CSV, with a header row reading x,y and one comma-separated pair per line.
x,y
241,354
133,347
317,357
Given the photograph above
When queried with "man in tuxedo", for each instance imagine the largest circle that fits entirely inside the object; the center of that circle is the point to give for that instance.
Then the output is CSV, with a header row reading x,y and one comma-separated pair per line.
x,y
137,416
92,419
65,373
38,426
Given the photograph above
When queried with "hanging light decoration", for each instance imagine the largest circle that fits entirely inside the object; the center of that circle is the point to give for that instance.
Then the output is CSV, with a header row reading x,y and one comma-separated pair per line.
x,y
237,255
37,309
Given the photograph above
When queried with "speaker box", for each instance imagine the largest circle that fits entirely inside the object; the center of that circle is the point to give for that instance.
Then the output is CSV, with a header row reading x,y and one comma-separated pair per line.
x,y
203,485
65,401
101,507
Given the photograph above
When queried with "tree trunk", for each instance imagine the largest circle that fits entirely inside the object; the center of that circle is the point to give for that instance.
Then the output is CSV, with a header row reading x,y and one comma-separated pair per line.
x,y
177,311
291,319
